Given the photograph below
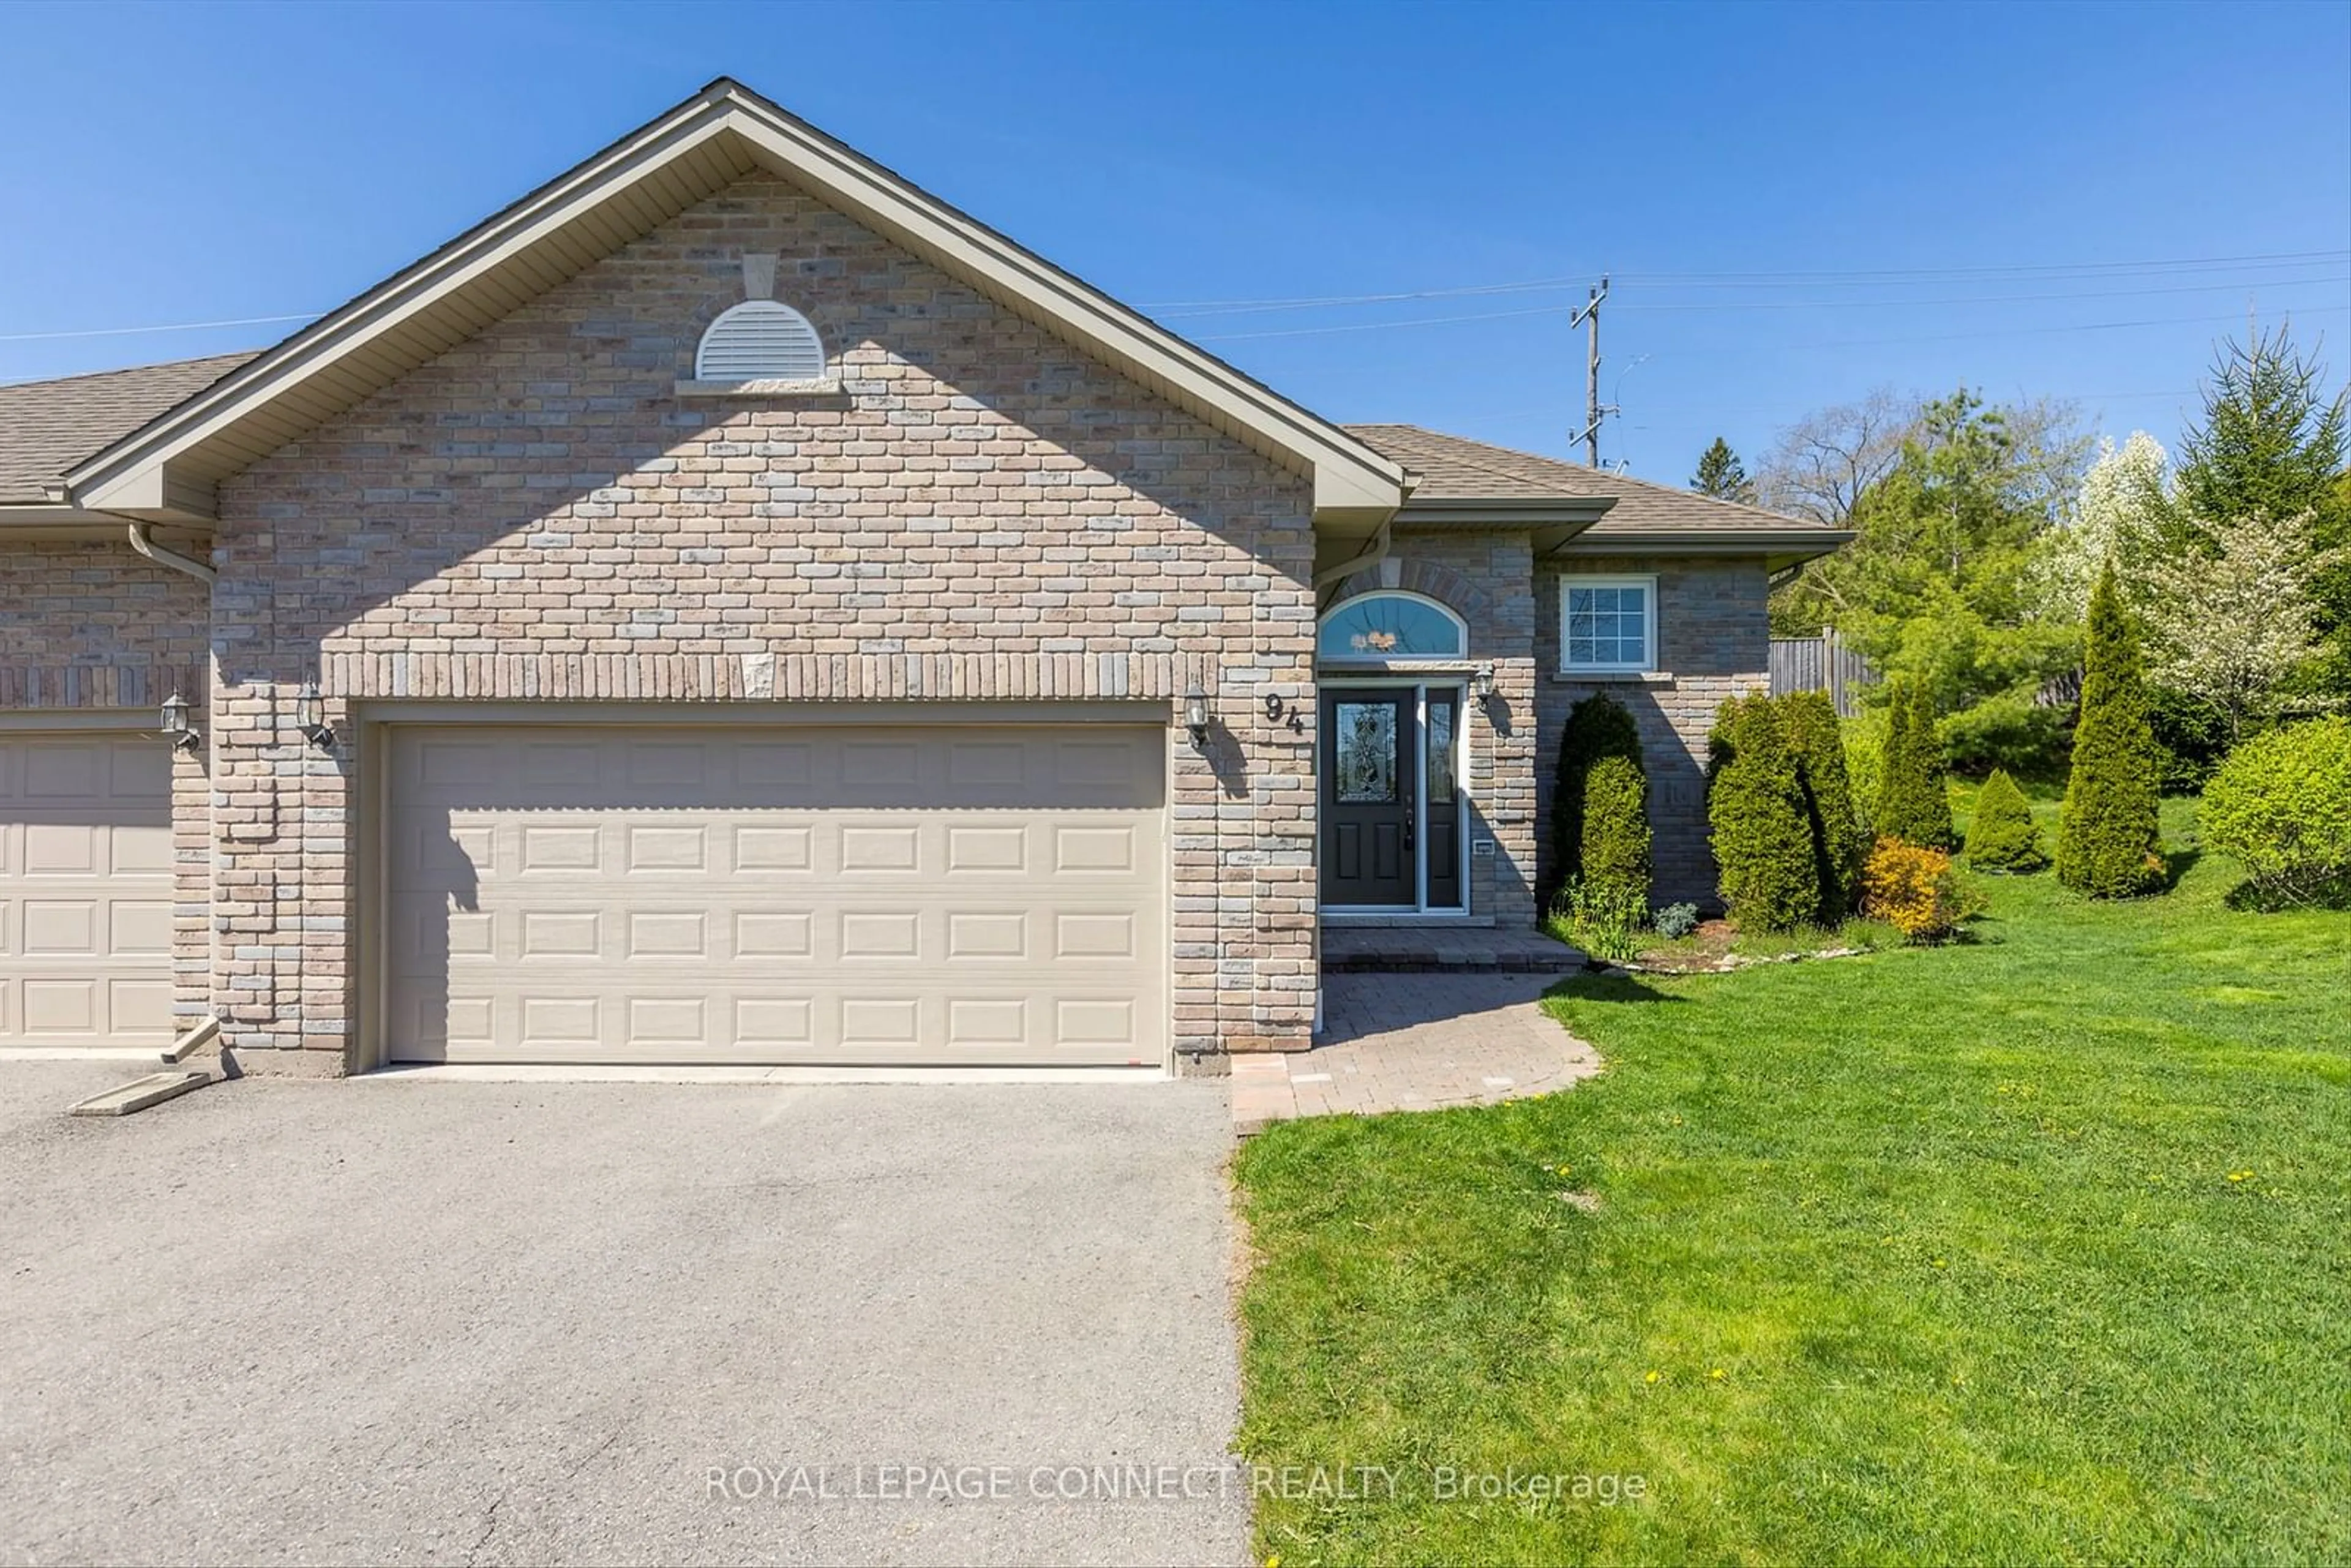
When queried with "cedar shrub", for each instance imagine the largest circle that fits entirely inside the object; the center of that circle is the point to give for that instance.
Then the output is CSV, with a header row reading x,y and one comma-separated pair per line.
x,y
1912,804
2001,837
1763,833
1616,848
1810,722
2108,845
1598,727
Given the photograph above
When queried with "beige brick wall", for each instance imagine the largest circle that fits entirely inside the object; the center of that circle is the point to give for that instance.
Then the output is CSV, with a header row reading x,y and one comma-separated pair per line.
x,y
1714,640
91,626
979,512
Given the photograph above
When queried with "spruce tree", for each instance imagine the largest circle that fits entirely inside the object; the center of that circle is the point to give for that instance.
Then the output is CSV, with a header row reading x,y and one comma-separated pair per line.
x,y
2002,836
1810,722
2267,443
2108,840
1597,726
1722,475
1755,806
2271,445
1912,804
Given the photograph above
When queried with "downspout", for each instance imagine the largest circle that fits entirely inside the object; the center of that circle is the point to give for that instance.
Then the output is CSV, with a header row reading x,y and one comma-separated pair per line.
x,y
206,1032
144,543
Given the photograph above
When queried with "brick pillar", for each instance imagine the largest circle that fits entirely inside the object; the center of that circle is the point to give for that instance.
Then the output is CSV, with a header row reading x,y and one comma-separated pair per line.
x,y
280,876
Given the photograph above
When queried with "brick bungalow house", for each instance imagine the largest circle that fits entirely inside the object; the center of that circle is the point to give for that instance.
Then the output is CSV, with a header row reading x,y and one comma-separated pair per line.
x,y
732,607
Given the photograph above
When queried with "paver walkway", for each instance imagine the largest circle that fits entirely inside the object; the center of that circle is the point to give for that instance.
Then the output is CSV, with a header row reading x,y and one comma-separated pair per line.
x,y
1413,1042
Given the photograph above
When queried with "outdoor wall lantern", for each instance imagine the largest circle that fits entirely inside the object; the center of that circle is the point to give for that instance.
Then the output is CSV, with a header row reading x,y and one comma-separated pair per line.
x,y
1485,682
177,728
1196,715
310,716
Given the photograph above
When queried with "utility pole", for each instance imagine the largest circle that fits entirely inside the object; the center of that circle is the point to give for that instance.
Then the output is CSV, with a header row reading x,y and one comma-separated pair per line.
x,y
1587,315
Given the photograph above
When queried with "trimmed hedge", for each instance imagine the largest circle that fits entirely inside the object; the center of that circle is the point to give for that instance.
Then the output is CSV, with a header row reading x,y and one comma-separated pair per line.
x,y
1615,849
2108,842
2002,837
1912,803
1761,823
1810,721
1598,727
2280,803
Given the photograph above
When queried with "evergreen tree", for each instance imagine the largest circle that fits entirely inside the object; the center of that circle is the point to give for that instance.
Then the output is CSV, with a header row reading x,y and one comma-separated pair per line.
x,y
1722,476
1912,804
2267,445
1597,726
2107,843
2271,445
1615,849
1755,805
1810,722
2002,836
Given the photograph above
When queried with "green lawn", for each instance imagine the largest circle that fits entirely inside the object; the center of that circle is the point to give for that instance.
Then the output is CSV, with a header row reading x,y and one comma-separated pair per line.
x,y
2036,1248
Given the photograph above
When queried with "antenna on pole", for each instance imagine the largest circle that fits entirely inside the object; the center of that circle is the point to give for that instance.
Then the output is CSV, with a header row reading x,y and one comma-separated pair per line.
x,y
1587,315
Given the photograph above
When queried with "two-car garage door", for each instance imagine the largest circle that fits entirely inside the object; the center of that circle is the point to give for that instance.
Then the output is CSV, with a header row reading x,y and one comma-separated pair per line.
x,y
859,893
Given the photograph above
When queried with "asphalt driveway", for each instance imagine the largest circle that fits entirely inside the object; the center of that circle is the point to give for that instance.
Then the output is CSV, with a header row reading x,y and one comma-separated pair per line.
x,y
451,1323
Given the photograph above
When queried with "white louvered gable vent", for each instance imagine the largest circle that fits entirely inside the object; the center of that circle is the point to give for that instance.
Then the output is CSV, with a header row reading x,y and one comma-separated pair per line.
x,y
760,340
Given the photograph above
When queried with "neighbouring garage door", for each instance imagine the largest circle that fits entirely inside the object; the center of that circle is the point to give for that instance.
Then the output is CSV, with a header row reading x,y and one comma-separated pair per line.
x,y
84,890
949,895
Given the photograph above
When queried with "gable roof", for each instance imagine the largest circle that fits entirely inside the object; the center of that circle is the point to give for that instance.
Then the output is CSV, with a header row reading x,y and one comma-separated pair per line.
x,y
46,426
167,469
1637,514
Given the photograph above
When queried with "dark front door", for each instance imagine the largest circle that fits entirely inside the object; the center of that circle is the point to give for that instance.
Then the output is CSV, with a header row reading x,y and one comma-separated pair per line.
x,y
1370,772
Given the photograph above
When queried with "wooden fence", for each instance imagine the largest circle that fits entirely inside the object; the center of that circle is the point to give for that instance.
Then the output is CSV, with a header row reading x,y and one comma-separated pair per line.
x,y
1822,663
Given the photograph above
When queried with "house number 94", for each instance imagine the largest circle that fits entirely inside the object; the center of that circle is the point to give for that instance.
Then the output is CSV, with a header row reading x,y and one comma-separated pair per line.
x,y
1284,714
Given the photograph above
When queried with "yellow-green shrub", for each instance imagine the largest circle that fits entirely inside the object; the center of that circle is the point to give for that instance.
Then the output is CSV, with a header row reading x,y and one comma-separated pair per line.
x,y
1914,889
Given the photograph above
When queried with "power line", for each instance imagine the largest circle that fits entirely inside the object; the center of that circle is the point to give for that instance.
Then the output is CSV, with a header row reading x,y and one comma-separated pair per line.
x,y
1382,326
1993,298
137,331
2279,257
1854,343
2018,331
2085,272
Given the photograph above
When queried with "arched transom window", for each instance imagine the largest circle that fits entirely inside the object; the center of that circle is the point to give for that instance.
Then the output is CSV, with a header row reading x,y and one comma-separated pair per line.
x,y
760,340
1375,627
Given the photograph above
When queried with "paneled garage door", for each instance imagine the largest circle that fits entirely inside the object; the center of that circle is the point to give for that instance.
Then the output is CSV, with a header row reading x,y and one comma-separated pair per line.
x,y
84,890
951,894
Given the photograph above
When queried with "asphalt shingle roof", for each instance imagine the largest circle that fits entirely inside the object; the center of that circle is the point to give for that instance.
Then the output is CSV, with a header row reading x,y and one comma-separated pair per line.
x,y
46,427
1455,468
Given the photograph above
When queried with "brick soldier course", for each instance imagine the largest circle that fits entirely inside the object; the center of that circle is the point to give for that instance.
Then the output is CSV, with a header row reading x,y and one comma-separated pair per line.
x,y
992,495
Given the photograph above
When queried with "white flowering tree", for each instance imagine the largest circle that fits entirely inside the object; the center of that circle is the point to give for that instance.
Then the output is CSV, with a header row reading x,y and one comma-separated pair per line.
x,y
2120,512
2230,627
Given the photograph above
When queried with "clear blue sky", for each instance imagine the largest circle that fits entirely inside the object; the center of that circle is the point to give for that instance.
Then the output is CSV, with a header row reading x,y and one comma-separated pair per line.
x,y
2015,168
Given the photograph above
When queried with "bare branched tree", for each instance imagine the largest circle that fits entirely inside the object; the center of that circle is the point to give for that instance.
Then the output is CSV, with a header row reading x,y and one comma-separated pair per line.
x,y
1825,462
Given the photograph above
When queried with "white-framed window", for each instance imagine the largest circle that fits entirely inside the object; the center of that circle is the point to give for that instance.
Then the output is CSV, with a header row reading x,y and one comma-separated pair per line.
x,y
1387,624
1607,623
760,340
